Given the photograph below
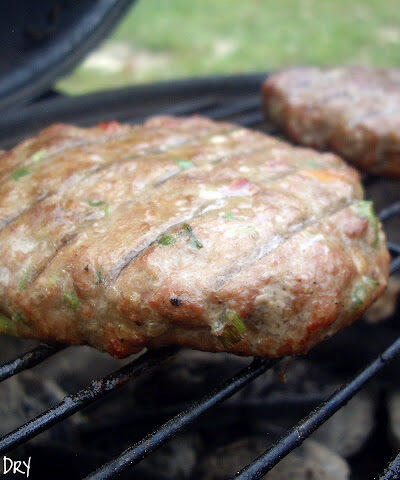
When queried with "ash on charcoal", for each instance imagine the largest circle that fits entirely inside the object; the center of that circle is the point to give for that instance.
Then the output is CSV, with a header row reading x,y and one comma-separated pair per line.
x,y
309,462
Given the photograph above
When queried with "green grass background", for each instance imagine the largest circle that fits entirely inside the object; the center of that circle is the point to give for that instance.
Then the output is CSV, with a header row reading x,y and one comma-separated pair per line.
x,y
260,35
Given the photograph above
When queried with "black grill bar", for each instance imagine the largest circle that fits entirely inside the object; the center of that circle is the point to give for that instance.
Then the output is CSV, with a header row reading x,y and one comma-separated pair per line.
x,y
390,211
384,215
28,360
235,108
263,464
250,119
395,265
393,247
208,107
72,403
183,108
144,447
249,115
393,470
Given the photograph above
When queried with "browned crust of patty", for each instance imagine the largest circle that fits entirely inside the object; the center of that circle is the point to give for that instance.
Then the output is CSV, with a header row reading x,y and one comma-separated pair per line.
x,y
127,237
353,111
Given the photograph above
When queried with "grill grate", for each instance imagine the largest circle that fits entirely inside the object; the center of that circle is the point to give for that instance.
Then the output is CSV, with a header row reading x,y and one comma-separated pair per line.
x,y
321,414
393,470
28,360
73,403
147,445
244,112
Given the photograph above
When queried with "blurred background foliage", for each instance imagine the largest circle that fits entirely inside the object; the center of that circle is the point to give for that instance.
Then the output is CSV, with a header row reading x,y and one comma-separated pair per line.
x,y
161,39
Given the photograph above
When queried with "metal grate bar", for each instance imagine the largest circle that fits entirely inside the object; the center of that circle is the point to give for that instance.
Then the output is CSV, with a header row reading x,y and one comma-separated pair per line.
x,y
393,247
184,108
212,110
144,447
307,426
72,403
395,265
235,108
391,211
250,119
28,360
384,215
392,472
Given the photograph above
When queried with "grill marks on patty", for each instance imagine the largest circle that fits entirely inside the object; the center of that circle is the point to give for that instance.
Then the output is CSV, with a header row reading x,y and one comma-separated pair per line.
x,y
59,171
194,177
85,206
52,141
185,204
72,208
234,245
284,294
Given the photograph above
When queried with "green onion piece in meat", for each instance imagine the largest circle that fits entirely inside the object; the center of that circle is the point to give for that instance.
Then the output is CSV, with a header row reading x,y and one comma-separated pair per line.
x,y
71,300
370,282
7,326
166,239
38,156
362,291
99,276
184,164
247,230
19,173
193,239
23,283
229,216
19,317
359,295
99,203
365,209
311,163
233,329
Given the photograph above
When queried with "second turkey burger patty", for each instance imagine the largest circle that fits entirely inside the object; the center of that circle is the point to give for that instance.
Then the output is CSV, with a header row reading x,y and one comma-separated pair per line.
x,y
353,111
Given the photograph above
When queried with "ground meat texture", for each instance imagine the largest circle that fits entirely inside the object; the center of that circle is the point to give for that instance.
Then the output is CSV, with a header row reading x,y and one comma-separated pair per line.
x,y
183,231
353,111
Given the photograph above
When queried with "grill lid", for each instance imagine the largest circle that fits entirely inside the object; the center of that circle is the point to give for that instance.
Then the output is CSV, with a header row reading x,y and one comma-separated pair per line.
x,y
44,39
